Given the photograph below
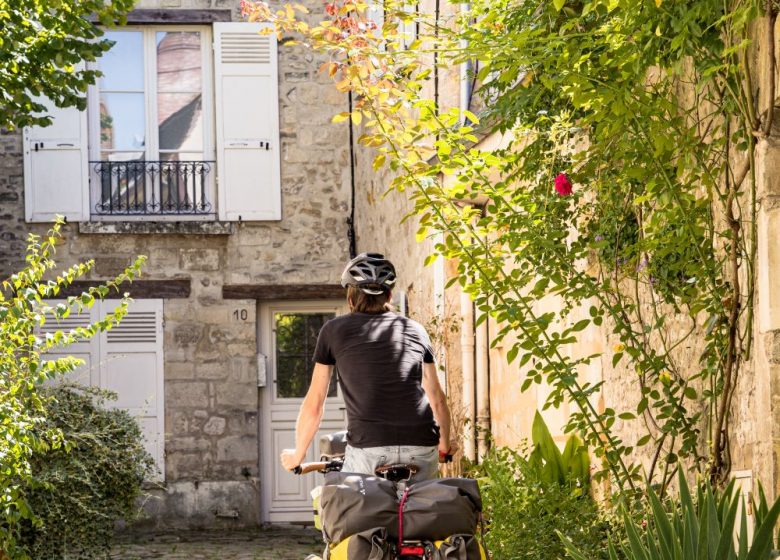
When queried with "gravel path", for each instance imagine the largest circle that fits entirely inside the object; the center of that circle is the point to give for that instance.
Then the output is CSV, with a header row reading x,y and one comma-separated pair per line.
x,y
273,543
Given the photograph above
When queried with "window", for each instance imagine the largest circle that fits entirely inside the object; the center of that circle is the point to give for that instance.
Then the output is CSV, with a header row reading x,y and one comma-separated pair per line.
x,y
295,338
183,124
152,143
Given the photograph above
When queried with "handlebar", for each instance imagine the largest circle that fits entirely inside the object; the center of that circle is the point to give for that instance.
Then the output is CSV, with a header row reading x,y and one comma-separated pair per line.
x,y
316,466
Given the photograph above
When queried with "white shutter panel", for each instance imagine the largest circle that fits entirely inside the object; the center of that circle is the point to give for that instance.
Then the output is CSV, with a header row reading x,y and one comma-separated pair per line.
x,y
247,115
56,175
131,358
87,350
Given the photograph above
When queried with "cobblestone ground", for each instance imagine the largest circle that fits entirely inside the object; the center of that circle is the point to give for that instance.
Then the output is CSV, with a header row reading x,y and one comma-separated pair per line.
x,y
274,543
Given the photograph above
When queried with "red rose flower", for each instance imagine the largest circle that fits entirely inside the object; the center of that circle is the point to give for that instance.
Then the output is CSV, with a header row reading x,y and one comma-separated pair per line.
x,y
563,185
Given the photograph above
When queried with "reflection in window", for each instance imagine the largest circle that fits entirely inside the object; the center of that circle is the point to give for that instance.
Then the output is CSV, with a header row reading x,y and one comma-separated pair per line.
x,y
179,91
122,105
296,338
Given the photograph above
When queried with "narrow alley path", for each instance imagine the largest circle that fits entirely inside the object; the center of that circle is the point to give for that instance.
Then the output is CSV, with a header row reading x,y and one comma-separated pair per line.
x,y
274,543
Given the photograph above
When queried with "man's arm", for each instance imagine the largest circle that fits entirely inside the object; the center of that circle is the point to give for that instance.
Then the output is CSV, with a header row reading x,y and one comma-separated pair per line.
x,y
309,416
441,411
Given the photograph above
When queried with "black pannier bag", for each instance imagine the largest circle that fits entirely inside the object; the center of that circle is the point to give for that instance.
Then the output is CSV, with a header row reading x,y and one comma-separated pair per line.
x,y
435,509
354,503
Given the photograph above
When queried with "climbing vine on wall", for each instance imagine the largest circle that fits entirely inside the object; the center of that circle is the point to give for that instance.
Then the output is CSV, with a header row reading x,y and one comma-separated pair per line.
x,y
625,188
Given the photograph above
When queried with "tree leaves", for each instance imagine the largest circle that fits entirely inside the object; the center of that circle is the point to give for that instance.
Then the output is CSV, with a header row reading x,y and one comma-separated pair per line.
x,y
42,50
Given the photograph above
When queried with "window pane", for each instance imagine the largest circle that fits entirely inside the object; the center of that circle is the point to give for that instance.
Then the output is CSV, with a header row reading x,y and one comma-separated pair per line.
x,y
179,89
122,120
180,120
123,65
179,61
296,337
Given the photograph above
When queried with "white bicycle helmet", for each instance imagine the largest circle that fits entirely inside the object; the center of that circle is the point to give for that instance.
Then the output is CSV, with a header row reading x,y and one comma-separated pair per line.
x,y
372,273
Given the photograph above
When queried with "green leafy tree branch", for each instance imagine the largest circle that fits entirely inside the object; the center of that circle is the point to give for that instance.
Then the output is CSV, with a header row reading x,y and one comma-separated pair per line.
x,y
649,109
43,50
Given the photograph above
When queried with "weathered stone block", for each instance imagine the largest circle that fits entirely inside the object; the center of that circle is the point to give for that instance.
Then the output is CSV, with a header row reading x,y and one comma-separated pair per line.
x,y
243,370
199,259
239,449
212,369
238,395
215,426
187,444
190,504
242,423
186,394
179,370
187,334
772,344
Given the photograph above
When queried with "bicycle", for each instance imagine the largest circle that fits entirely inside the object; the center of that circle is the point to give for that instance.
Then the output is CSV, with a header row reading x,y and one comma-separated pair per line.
x,y
384,541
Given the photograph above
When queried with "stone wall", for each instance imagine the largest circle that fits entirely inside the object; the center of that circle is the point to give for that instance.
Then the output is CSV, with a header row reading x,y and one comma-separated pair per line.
x,y
211,395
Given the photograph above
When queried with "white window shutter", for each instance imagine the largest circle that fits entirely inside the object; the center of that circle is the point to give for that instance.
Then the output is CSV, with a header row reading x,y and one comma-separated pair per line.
x,y
86,350
131,358
247,116
56,174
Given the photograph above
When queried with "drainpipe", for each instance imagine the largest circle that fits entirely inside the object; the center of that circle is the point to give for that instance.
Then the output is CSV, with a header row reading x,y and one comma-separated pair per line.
x,y
466,305
467,350
465,69
439,306
482,388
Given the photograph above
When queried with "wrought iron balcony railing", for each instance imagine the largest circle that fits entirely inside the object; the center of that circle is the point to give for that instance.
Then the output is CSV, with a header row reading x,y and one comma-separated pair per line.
x,y
141,188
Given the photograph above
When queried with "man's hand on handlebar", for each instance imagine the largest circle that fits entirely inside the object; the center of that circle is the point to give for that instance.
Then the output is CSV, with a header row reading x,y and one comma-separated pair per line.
x,y
290,459
447,451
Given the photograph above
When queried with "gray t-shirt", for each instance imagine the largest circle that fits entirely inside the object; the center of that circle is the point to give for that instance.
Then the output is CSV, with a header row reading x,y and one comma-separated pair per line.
x,y
379,358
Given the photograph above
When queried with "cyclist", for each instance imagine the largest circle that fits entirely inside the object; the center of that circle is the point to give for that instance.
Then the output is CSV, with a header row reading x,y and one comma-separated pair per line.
x,y
396,409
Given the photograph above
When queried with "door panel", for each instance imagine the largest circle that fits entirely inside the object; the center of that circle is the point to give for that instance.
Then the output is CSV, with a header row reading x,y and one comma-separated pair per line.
x,y
287,336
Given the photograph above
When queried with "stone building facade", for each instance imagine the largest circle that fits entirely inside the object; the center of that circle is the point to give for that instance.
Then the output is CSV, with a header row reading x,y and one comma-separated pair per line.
x,y
214,444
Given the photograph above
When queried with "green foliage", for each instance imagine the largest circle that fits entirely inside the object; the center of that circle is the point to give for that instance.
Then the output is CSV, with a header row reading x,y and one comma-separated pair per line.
x,y
525,510
84,486
42,47
703,527
571,466
651,110
24,367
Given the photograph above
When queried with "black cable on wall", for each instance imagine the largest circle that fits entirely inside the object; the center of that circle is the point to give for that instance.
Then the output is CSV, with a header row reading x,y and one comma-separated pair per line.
x,y
351,237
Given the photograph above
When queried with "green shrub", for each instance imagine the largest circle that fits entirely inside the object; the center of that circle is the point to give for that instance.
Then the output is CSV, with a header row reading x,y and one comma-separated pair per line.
x,y
524,511
24,367
710,523
83,487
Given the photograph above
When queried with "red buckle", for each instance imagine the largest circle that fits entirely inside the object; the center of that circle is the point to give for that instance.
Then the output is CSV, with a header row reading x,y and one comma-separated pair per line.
x,y
418,550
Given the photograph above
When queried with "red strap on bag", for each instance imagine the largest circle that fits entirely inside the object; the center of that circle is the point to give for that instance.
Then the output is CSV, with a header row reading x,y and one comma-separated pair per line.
x,y
401,519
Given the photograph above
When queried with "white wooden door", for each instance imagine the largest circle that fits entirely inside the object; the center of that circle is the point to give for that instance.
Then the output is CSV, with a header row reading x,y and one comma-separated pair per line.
x,y
287,333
